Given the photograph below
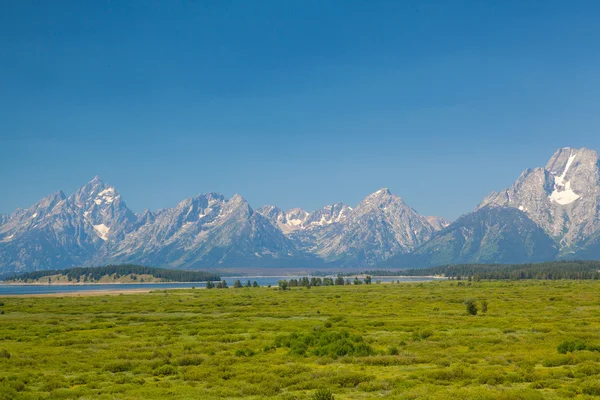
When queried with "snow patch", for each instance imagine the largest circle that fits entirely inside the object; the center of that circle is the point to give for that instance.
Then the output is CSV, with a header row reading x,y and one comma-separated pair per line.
x,y
295,222
323,221
107,195
106,191
34,215
562,193
102,231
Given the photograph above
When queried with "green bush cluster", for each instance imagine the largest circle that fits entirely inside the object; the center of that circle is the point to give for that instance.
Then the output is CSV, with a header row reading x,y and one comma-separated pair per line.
x,y
323,343
569,346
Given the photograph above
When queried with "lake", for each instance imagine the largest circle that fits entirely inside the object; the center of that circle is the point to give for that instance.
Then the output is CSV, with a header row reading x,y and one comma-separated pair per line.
x,y
262,281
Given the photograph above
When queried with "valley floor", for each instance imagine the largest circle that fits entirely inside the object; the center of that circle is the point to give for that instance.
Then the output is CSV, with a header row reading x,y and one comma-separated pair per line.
x,y
399,341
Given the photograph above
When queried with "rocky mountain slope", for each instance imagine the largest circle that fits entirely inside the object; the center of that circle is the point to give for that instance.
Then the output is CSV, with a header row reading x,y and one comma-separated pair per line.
x,y
548,213
488,235
64,231
207,231
563,198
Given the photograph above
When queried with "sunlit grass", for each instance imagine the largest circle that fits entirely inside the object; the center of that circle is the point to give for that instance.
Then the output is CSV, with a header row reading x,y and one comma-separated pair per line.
x,y
406,341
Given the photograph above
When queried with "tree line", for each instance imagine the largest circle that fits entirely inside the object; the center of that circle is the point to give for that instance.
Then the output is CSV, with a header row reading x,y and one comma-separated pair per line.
x,y
571,270
79,274
317,281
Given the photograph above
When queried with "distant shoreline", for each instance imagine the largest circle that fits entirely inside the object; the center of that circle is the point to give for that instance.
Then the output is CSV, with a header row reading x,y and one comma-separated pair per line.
x,y
361,276
94,283
86,293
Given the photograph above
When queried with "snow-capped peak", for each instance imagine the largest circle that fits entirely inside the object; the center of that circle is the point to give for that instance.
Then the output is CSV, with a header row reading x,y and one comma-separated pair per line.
x,y
381,192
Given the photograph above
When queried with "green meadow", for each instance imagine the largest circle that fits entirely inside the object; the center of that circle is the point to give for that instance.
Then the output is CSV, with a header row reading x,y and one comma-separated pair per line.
x,y
537,339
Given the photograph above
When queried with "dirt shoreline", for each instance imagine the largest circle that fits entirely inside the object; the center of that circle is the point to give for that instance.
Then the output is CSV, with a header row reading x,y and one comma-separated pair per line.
x,y
90,293
94,283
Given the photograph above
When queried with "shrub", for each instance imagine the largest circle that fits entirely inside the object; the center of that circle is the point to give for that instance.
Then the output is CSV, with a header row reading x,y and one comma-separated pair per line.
x,y
53,383
484,306
119,367
323,394
571,346
325,343
190,360
471,307
4,353
421,335
592,389
165,370
244,353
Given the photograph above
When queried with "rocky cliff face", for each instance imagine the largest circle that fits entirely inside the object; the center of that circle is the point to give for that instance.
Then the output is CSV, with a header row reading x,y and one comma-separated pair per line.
x,y
563,198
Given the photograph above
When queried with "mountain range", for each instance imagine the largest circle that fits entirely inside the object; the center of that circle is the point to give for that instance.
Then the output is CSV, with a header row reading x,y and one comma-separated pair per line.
x,y
548,213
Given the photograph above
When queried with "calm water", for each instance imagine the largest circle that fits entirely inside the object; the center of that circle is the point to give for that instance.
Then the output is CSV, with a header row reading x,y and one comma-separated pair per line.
x,y
263,281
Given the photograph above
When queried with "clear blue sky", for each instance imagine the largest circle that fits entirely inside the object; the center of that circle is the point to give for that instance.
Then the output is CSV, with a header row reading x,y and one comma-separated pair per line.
x,y
292,103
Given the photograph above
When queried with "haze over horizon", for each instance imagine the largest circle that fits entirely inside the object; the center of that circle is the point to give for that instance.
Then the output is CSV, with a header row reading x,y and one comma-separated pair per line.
x,y
293,104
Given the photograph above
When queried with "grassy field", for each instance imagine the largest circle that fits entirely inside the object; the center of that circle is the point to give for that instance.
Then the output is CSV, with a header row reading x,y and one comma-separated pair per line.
x,y
404,341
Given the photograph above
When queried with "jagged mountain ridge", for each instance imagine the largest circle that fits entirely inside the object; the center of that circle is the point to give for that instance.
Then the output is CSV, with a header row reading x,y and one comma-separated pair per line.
x,y
381,226
64,231
550,212
94,226
206,231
